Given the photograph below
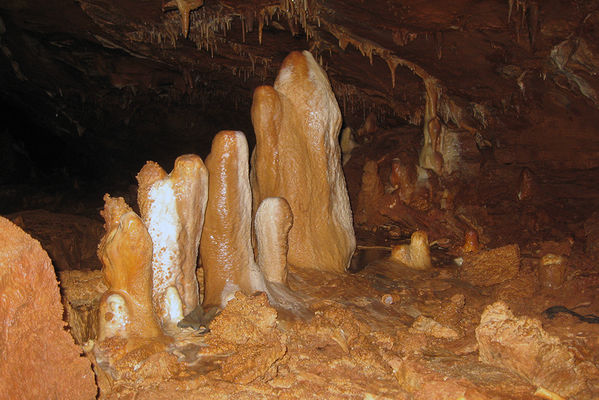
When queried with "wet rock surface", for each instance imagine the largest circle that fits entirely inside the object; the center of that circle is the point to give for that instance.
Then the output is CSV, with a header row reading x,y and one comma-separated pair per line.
x,y
462,119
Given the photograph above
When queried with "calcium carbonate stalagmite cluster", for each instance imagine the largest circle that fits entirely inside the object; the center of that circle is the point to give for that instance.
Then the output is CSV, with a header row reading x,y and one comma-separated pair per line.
x,y
150,261
172,208
297,157
126,255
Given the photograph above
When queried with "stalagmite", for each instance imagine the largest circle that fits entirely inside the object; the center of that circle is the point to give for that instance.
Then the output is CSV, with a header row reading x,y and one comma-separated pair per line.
x,y
126,255
416,255
297,157
190,178
172,208
273,222
226,245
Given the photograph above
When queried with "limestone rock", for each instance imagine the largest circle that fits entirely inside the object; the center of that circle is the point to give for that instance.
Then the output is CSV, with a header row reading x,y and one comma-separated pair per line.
x,y
297,157
490,267
520,344
126,253
247,328
416,255
272,223
172,208
70,240
226,245
430,327
39,359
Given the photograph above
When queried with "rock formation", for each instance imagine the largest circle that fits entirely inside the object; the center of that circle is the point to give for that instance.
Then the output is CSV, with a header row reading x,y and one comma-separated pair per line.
x,y
172,208
226,246
272,224
416,255
521,345
297,157
126,254
33,339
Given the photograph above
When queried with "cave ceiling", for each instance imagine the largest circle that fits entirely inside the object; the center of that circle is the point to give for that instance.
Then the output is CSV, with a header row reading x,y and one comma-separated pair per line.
x,y
104,77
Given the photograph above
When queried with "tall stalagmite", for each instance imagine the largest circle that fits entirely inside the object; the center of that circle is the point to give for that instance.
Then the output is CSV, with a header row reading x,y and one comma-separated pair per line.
x,y
172,207
297,157
226,245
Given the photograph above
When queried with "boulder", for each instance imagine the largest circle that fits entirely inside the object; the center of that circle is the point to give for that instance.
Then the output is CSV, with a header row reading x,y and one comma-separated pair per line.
x,y
38,358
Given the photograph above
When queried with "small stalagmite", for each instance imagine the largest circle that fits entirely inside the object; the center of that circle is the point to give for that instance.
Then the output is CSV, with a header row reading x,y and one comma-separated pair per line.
x,y
226,245
126,255
172,207
416,255
272,223
297,157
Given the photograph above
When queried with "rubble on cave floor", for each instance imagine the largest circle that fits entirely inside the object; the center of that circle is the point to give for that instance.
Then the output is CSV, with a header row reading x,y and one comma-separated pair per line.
x,y
386,331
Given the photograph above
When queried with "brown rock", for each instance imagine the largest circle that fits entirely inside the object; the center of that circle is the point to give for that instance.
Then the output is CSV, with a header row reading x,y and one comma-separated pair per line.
x,y
370,194
126,253
247,325
521,345
39,359
226,245
70,240
489,267
297,157
430,327
591,233
552,270
416,255
81,293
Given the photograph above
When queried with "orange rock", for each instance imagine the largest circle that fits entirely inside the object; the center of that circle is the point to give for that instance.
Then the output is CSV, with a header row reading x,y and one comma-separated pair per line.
x,y
471,244
490,267
416,255
39,359
297,157
126,254
521,345
226,245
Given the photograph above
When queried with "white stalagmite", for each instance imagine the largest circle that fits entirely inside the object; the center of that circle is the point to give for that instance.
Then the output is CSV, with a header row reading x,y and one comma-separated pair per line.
x,y
172,208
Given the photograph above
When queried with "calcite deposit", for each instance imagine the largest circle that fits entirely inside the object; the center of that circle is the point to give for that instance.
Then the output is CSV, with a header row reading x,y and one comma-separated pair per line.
x,y
489,267
226,246
522,345
172,208
126,254
415,255
38,358
297,157
457,117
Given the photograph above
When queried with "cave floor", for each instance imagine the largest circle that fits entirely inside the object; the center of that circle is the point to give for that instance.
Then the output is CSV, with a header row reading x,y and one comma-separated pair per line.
x,y
383,331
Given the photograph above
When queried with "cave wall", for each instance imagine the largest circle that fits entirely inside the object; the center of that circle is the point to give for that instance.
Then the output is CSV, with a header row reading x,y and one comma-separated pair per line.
x,y
90,90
